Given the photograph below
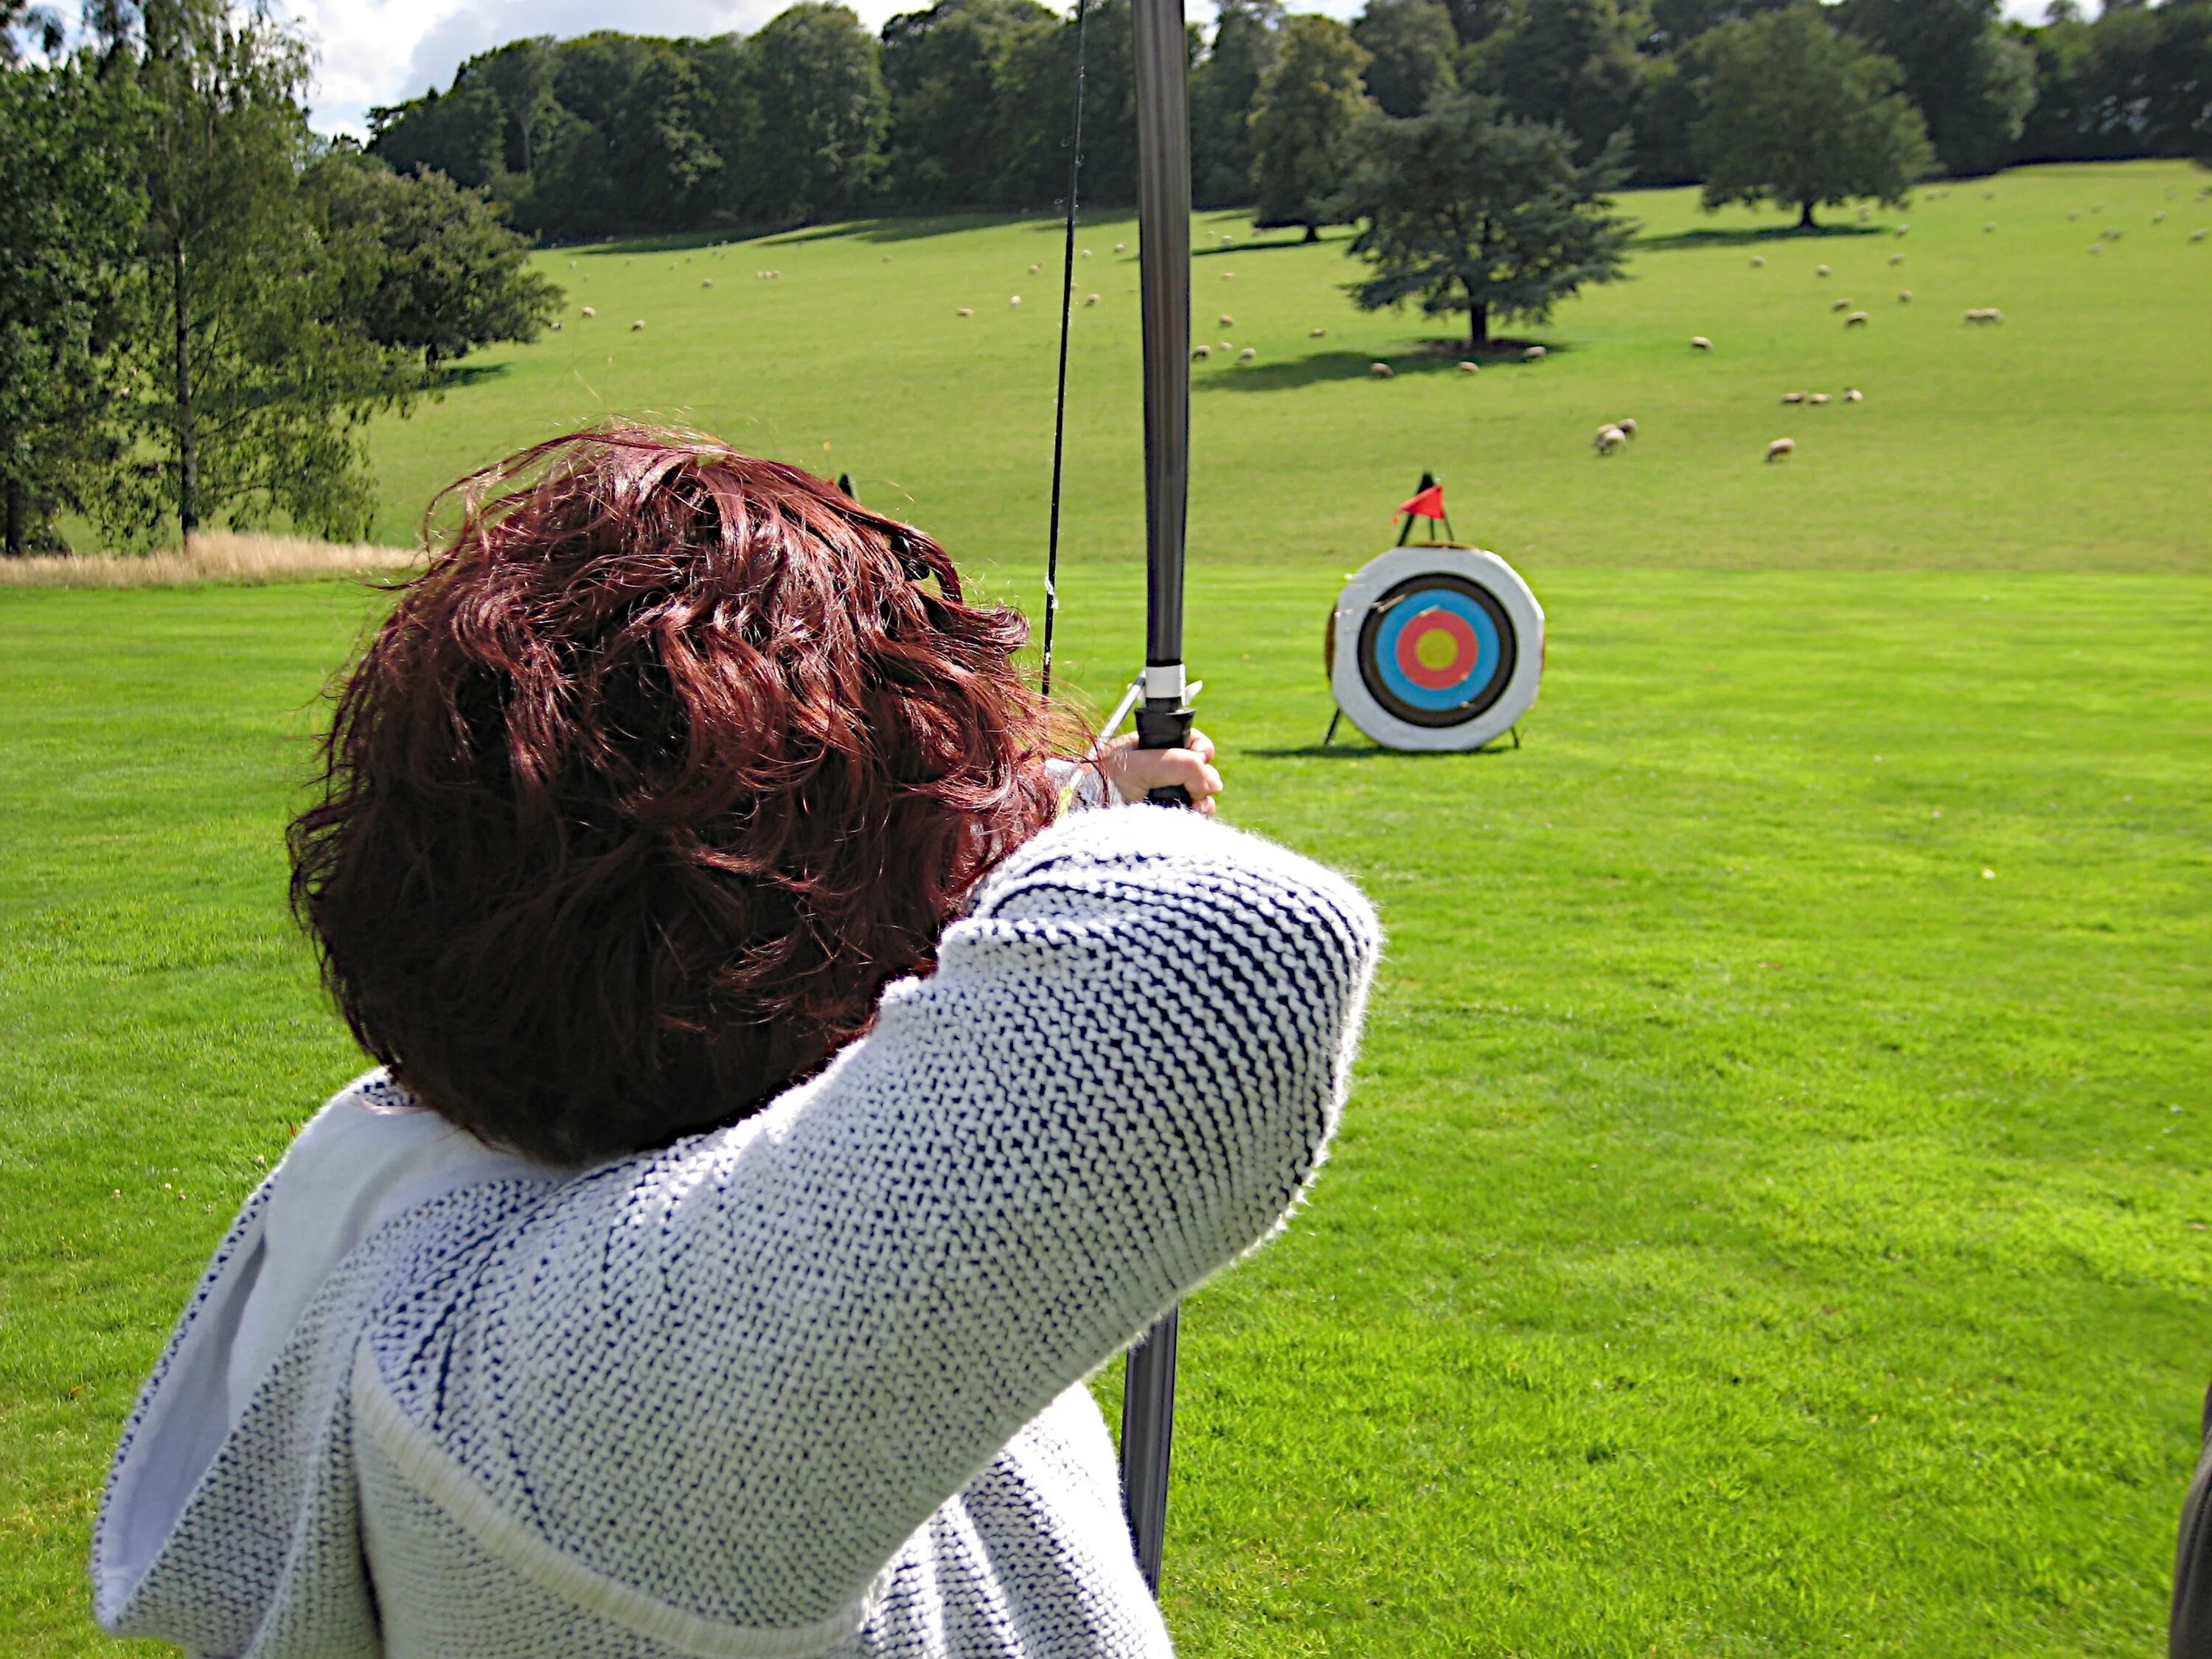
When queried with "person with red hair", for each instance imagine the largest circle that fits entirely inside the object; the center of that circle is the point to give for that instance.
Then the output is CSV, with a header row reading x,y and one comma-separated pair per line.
x,y
782,1107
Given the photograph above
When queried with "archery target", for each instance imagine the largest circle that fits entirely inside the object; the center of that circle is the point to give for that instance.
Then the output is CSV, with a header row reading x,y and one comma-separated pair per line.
x,y
1435,648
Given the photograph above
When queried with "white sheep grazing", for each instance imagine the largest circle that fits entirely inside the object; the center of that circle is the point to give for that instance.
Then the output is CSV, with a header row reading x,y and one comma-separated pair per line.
x,y
1905,296
1381,371
1316,333
1858,319
2159,217
1015,302
1198,354
1758,262
637,325
1249,355
1034,269
1988,225
966,311
1865,213
1841,304
1611,440
1853,395
588,312
1229,345
2109,234
1466,367
1793,396
2197,235
1699,342
2073,215
1090,299
1822,270
1818,398
1780,447
1533,355
1897,258
887,258
1627,426
1901,229
1120,246
709,282
1227,321
556,325
2096,247
1086,253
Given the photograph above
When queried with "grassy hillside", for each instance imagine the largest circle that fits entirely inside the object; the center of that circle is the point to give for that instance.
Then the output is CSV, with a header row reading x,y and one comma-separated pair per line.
x,y
1773,1217
2069,438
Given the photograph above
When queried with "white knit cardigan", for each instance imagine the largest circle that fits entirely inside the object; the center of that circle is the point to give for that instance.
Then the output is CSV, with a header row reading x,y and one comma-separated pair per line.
x,y
808,1385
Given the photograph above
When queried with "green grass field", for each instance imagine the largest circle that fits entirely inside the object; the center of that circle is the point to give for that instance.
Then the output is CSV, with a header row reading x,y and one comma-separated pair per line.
x,y
1773,1217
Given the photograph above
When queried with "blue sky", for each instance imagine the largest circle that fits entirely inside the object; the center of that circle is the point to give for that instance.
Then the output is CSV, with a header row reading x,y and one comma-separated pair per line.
x,y
380,51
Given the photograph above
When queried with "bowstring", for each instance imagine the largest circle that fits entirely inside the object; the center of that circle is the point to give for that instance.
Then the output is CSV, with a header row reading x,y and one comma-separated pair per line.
x,y
1060,393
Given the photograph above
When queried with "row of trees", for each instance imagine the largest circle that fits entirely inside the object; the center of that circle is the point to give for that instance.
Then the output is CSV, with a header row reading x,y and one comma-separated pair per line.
x,y
965,104
200,303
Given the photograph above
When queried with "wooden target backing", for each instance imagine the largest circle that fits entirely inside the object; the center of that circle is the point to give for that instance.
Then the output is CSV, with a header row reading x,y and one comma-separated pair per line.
x,y
1435,648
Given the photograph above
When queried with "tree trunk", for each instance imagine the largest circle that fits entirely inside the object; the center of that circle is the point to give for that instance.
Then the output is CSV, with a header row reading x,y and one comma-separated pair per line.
x,y
1805,217
15,493
1313,233
188,454
1478,323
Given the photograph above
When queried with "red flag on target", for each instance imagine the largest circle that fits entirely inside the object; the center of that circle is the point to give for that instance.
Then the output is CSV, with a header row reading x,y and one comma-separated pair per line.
x,y
1428,502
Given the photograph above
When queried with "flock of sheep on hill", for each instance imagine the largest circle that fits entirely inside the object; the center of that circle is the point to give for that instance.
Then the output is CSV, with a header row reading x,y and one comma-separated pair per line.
x,y
1613,437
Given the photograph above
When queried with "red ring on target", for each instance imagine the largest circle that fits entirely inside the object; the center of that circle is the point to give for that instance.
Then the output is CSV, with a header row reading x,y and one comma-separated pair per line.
x,y
1426,626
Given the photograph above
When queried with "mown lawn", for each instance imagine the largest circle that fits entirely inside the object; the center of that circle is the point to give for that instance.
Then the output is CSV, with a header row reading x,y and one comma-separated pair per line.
x,y
1773,1217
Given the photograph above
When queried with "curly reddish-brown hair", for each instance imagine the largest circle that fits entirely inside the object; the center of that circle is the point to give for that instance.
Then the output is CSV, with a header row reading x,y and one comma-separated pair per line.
x,y
670,760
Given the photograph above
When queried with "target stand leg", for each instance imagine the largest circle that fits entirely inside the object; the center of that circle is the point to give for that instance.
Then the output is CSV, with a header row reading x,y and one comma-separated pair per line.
x,y
1332,720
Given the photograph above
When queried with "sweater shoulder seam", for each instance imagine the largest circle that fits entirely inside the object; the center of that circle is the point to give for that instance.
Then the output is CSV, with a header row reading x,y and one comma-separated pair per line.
x,y
438,1476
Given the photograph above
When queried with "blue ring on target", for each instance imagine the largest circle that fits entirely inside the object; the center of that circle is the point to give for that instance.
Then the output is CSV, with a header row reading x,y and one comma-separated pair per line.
x,y
1461,686
1470,670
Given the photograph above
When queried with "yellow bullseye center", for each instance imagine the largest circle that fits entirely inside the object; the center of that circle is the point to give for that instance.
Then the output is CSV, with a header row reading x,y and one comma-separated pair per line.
x,y
1434,649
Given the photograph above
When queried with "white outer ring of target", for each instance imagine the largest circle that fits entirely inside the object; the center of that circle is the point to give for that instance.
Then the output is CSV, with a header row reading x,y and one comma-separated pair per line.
x,y
1488,571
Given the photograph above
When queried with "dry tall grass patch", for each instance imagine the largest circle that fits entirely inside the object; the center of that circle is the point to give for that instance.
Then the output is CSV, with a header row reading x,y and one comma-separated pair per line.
x,y
217,556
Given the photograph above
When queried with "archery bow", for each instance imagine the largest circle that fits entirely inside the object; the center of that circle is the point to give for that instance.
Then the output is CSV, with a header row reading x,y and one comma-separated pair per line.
x,y
1164,715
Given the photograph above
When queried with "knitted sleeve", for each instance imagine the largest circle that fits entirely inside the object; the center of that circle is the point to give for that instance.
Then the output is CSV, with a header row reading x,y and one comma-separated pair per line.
x,y
737,1375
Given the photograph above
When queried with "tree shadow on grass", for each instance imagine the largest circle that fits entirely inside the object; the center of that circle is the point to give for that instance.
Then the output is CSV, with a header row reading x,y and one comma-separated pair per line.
x,y
1758,237
452,376
1427,357
944,224
1230,250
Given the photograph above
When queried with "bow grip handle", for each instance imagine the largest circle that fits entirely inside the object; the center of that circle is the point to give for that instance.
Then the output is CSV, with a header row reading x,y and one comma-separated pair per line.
x,y
1164,723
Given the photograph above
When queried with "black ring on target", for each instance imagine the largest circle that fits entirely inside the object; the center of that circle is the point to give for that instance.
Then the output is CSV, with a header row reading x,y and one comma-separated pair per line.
x,y
1469,643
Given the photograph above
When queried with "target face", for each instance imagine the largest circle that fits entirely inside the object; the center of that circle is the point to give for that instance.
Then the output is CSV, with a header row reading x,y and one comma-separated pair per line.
x,y
1447,648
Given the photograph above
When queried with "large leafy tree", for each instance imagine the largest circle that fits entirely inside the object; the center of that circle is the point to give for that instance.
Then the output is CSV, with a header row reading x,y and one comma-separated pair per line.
x,y
1306,123
430,268
943,69
1797,113
1038,80
258,377
1411,45
1223,89
1464,209
1571,64
69,218
1973,83
665,173
818,84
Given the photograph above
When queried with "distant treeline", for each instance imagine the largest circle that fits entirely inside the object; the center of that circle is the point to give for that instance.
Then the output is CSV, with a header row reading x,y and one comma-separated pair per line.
x,y
966,105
